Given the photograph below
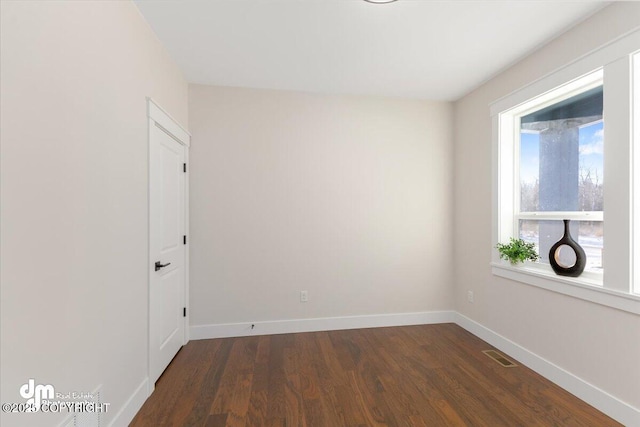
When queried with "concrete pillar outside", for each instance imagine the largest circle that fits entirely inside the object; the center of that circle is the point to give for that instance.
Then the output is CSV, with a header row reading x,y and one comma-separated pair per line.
x,y
559,152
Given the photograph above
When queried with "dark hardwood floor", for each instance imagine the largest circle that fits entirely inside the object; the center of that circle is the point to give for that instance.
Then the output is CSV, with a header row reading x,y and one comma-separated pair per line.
x,y
432,375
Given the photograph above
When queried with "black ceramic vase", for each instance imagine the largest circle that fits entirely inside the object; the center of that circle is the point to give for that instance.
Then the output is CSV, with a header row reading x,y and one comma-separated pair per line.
x,y
554,255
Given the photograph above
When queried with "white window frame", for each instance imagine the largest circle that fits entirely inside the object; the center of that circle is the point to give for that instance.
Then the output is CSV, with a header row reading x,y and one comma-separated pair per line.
x,y
613,64
583,84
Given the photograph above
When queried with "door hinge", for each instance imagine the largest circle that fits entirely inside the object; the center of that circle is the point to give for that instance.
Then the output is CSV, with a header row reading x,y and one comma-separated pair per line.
x,y
184,239
184,312
184,167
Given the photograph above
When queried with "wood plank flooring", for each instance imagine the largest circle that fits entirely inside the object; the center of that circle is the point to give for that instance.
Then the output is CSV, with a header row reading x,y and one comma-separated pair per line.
x,y
431,375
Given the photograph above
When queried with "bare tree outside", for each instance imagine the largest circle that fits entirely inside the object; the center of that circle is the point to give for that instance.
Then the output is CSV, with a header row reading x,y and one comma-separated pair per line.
x,y
590,191
529,196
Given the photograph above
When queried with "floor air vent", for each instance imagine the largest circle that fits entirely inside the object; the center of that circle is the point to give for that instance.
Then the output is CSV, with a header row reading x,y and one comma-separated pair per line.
x,y
500,358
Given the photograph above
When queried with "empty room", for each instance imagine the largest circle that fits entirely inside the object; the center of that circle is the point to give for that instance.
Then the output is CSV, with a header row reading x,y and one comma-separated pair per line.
x,y
319,213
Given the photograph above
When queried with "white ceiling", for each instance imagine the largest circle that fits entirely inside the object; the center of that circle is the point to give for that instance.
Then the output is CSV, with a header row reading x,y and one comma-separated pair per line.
x,y
437,50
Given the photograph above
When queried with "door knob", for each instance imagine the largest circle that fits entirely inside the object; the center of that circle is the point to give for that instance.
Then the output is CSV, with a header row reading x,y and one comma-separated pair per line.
x,y
159,265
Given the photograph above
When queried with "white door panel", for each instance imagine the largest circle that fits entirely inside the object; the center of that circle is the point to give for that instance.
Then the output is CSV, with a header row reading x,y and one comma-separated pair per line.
x,y
167,206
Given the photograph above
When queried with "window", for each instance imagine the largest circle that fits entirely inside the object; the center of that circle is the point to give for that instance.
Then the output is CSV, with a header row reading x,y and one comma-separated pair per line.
x,y
560,172
563,149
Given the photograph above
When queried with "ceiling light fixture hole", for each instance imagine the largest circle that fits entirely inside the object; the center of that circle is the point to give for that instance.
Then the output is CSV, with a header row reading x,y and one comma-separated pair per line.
x,y
380,1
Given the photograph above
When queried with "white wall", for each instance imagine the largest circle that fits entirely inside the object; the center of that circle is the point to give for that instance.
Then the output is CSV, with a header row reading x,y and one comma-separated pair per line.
x,y
596,343
74,195
348,197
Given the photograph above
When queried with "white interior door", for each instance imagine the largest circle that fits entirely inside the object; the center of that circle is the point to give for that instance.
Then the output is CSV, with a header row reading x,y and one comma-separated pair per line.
x,y
167,248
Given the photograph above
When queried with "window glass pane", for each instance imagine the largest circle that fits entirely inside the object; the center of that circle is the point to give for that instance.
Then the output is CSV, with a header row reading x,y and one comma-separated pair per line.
x,y
561,152
529,171
590,167
545,233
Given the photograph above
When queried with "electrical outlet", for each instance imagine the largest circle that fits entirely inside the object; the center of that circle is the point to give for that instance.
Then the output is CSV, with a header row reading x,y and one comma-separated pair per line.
x,y
304,296
470,296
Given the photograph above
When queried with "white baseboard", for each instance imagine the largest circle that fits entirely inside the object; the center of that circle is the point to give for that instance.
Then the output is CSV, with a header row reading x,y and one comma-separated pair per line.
x,y
132,405
599,399
226,330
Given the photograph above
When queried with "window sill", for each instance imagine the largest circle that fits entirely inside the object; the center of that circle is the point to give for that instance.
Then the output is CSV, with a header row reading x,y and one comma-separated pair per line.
x,y
584,289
